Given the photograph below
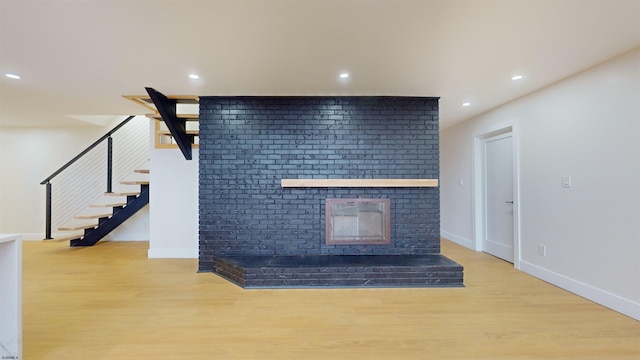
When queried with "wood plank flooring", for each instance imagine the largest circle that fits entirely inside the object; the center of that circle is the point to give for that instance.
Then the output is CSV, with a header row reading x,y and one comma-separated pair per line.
x,y
111,302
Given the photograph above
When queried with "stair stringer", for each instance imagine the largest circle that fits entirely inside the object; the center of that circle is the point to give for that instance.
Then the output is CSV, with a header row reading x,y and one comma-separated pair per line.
x,y
120,215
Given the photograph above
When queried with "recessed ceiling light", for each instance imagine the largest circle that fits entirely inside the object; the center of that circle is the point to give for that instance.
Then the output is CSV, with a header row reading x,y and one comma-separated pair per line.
x,y
517,77
466,104
12,76
194,76
344,75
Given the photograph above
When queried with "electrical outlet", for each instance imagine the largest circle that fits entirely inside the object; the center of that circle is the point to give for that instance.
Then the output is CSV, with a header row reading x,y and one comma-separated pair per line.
x,y
542,250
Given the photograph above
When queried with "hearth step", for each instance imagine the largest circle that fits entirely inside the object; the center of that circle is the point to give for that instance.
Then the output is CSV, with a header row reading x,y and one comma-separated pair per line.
x,y
340,271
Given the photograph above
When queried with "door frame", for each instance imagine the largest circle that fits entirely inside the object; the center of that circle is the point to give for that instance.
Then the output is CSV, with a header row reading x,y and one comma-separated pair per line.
x,y
478,194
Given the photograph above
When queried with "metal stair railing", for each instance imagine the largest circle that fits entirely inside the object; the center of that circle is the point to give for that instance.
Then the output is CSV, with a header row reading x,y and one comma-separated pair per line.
x,y
82,178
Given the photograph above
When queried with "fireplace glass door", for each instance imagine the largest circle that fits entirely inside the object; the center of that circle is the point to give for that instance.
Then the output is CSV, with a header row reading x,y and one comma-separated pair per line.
x,y
358,221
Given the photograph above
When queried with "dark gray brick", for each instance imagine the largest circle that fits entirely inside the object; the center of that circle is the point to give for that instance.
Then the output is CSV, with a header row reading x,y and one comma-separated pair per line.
x,y
247,144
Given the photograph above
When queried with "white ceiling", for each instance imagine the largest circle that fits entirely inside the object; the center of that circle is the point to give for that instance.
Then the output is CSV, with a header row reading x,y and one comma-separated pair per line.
x,y
77,57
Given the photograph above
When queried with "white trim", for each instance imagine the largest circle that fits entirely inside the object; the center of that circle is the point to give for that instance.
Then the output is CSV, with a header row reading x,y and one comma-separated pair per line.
x,y
141,237
468,243
517,248
32,236
133,236
171,253
494,129
477,193
599,296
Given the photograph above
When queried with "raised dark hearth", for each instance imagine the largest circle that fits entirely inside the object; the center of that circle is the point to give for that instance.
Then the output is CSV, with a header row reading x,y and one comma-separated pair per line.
x,y
340,271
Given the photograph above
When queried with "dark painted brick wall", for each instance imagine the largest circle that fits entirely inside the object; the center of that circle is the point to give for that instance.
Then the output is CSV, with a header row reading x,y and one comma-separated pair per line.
x,y
247,144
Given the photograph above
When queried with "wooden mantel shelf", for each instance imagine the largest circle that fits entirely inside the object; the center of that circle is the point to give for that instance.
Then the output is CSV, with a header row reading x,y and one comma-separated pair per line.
x,y
359,183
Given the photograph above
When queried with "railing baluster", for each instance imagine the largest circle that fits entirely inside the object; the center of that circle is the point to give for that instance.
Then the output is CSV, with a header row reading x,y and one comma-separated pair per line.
x,y
47,235
109,164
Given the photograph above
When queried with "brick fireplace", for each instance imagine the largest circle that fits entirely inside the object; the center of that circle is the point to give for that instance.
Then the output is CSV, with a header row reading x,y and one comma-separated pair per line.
x,y
252,223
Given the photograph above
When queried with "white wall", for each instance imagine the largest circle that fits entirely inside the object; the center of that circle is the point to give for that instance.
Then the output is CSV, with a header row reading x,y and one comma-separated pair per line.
x,y
174,204
27,156
136,228
587,127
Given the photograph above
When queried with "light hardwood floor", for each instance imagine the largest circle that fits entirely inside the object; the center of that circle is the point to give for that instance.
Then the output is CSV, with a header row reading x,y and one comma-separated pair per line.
x,y
111,302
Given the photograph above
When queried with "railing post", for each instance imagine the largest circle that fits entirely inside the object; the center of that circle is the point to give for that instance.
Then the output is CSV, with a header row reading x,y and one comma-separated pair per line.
x,y
47,230
109,164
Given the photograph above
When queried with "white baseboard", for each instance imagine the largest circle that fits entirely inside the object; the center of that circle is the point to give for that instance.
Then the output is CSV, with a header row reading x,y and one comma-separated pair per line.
x,y
108,237
129,237
604,298
170,253
32,236
457,239
138,239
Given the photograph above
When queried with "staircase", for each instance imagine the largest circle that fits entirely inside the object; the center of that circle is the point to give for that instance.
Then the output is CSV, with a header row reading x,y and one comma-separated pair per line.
x,y
108,213
82,180
176,126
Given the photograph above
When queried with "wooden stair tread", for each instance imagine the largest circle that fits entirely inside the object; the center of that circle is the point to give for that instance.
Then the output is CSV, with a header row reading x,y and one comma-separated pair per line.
x,y
185,117
66,237
146,101
141,171
108,204
126,193
79,226
134,182
94,216
180,99
189,132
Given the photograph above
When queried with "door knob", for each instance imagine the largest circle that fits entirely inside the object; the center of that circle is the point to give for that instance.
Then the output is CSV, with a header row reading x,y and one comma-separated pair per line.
x,y
509,202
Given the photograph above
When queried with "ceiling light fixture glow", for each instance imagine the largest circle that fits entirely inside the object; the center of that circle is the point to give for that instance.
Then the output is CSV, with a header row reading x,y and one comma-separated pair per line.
x,y
517,77
194,76
12,76
466,104
344,76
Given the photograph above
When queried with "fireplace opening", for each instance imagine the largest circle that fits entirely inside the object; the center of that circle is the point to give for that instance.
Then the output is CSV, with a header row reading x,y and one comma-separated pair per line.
x,y
358,221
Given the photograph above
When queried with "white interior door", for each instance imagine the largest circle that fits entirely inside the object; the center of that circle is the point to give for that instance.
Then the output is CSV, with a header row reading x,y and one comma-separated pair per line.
x,y
498,195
